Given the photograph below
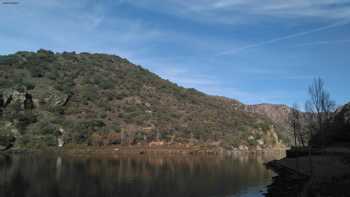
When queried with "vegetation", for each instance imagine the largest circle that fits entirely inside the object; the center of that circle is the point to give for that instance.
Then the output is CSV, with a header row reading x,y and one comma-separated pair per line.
x,y
100,99
321,124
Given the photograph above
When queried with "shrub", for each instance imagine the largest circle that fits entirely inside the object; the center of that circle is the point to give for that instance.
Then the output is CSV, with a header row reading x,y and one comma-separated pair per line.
x,y
8,59
25,119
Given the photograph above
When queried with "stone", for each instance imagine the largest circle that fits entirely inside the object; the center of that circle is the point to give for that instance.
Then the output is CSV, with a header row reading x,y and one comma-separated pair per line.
x,y
60,138
154,143
243,147
258,148
260,142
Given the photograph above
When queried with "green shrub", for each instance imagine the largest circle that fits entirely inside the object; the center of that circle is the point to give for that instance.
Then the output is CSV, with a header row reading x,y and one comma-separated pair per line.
x,y
25,119
8,59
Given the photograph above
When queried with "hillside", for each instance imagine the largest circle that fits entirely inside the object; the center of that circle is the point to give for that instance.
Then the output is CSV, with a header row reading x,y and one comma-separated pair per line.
x,y
277,113
100,99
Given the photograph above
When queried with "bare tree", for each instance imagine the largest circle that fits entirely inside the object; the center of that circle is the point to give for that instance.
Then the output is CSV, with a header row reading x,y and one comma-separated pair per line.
x,y
294,121
319,107
295,124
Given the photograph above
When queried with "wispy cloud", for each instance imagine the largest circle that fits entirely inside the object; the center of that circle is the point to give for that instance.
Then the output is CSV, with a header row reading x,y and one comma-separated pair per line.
x,y
237,11
275,74
324,42
283,38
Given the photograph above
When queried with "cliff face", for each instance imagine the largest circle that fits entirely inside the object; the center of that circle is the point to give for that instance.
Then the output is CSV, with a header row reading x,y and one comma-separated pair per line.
x,y
277,113
100,99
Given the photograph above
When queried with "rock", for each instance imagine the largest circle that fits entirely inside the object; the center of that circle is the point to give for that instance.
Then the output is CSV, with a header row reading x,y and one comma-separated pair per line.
x,y
274,135
60,142
258,148
14,97
18,96
60,138
11,97
260,142
277,113
53,97
160,143
243,147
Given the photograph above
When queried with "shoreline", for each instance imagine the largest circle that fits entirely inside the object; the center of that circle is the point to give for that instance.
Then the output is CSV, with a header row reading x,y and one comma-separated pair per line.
x,y
146,150
323,174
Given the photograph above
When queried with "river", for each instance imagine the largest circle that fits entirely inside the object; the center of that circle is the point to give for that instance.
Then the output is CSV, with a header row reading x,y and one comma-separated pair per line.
x,y
46,175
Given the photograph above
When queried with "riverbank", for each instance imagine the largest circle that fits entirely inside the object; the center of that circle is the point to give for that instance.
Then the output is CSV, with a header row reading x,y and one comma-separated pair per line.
x,y
148,150
323,174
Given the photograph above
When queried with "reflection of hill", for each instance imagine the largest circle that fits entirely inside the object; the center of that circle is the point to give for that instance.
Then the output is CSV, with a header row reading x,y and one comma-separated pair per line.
x,y
137,176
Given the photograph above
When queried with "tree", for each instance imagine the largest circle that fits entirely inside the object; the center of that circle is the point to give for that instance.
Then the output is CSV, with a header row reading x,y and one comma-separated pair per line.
x,y
320,106
295,124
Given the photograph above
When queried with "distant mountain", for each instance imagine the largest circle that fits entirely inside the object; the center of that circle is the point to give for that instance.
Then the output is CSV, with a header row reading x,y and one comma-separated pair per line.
x,y
101,99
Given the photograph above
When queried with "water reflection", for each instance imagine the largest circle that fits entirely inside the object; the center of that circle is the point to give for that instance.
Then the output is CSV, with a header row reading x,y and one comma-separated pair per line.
x,y
145,176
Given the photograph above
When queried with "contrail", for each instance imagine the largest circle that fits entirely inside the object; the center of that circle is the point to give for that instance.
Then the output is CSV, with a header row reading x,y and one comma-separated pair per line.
x,y
267,42
324,42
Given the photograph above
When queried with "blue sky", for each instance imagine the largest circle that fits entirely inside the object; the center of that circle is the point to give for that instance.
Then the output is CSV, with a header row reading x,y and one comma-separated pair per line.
x,y
251,50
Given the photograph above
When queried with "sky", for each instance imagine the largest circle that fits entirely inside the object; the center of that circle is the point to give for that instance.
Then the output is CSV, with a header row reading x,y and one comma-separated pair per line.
x,y
256,51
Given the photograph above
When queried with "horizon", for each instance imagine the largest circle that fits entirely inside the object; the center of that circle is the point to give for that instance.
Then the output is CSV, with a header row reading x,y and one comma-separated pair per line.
x,y
242,50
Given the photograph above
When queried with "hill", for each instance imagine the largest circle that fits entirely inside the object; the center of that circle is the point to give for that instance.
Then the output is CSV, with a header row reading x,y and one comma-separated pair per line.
x,y
100,99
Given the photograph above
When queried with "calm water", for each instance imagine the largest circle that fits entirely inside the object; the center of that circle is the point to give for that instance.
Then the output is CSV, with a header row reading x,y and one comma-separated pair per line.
x,y
143,176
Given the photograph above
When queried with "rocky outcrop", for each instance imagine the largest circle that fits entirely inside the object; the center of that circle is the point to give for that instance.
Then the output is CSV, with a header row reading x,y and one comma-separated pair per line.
x,y
51,97
13,97
60,137
277,113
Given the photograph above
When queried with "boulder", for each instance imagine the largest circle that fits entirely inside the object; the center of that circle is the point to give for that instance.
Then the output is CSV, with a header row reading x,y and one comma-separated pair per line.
x,y
60,137
56,98
243,148
260,142
156,143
